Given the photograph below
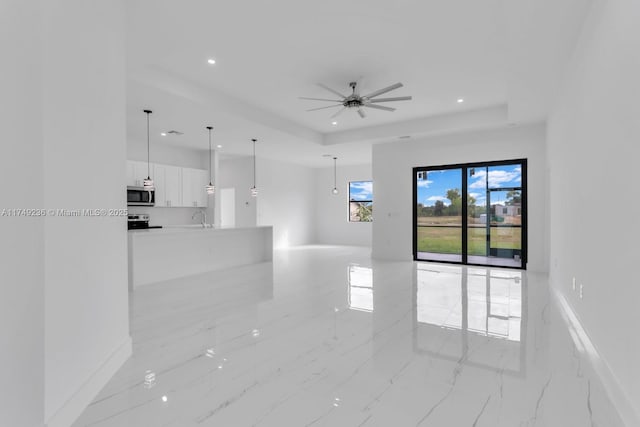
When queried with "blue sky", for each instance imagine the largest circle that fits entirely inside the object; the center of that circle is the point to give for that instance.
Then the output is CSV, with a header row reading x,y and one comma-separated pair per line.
x,y
361,190
438,182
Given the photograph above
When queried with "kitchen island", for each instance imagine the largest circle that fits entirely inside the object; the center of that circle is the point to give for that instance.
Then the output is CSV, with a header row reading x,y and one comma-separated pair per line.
x,y
157,255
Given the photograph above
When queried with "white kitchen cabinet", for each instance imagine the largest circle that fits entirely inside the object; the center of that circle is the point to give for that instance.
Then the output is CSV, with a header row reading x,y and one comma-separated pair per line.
x,y
168,183
137,172
175,186
193,187
159,183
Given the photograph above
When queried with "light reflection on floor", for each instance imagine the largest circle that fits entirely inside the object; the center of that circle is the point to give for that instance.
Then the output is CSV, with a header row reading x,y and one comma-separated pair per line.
x,y
360,288
482,301
470,303
325,336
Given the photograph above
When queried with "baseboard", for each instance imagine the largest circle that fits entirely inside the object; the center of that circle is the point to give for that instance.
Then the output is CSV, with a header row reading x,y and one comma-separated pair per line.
x,y
619,398
73,408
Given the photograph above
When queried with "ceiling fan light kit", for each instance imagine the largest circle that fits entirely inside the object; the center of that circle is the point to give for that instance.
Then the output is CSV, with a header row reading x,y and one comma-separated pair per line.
x,y
357,101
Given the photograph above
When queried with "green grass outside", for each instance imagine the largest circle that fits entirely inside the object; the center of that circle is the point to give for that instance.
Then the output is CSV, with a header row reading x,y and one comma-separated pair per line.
x,y
448,240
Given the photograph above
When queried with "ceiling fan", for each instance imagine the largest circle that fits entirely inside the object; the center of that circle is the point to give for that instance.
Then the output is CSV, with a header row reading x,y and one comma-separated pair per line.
x,y
357,101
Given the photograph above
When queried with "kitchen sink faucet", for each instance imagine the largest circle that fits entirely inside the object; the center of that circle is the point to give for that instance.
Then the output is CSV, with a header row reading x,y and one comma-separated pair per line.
x,y
203,217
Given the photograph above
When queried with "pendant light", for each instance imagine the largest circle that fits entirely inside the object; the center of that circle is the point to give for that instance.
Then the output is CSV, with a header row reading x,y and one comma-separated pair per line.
x,y
334,191
254,189
210,188
147,184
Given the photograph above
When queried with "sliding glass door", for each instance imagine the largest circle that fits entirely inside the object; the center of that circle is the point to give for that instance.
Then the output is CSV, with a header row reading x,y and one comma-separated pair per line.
x,y
439,214
471,214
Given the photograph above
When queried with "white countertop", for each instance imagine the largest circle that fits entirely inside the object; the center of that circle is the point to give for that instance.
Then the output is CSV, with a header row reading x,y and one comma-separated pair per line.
x,y
190,228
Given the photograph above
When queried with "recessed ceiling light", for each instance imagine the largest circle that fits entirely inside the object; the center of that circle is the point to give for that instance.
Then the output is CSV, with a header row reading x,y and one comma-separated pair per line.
x,y
334,123
218,146
211,61
460,100
163,134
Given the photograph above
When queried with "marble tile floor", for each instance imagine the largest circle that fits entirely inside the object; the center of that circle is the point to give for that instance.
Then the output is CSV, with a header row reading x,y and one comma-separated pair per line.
x,y
324,336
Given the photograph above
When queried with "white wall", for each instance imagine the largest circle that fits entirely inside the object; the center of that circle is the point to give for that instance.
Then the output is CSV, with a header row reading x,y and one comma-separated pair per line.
x,y
21,251
286,201
86,295
166,154
238,173
285,197
170,216
332,211
593,148
393,192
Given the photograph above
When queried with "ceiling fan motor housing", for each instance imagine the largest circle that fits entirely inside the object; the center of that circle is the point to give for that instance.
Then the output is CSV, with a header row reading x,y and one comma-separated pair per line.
x,y
353,102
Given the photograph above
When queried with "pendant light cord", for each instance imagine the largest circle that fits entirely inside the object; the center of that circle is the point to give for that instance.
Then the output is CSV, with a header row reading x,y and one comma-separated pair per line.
x,y
254,162
148,152
335,180
209,127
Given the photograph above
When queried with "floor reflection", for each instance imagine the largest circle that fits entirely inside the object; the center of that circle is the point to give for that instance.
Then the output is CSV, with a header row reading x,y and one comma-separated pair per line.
x,y
473,315
360,293
298,342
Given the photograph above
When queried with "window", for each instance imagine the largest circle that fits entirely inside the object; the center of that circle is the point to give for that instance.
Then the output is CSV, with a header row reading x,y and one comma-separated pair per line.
x,y
361,201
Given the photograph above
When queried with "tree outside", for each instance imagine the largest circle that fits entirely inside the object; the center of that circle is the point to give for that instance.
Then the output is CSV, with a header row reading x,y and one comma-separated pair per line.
x,y
361,211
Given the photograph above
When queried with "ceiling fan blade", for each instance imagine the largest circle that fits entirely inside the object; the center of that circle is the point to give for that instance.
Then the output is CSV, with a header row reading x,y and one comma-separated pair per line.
x,y
380,107
335,92
322,108
338,113
319,99
398,98
384,90
361,112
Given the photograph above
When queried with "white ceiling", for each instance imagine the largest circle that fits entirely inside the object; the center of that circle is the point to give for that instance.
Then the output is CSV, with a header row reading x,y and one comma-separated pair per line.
x,y
503,57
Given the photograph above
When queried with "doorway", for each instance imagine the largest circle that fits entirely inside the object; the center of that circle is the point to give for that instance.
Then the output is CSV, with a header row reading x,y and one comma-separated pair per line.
x,y
471,213
228,207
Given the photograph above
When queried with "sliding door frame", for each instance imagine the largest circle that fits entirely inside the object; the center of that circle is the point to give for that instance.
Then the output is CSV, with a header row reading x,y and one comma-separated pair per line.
x,y
465,229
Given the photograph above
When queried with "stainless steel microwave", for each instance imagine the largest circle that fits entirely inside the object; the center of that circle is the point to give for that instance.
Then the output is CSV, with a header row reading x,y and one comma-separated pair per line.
x,y
138,196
